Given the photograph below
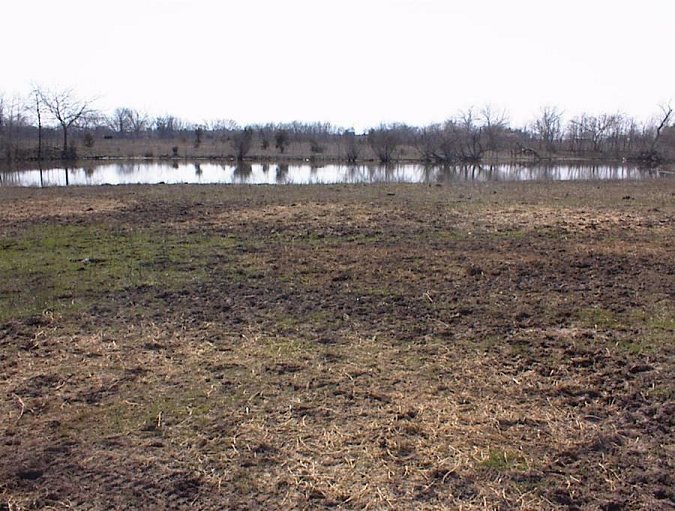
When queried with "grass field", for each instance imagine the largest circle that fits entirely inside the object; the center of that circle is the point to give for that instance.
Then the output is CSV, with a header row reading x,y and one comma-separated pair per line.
x,y
475,346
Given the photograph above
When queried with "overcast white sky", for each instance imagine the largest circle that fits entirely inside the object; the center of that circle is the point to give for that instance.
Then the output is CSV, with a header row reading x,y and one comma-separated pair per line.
x,y
349,62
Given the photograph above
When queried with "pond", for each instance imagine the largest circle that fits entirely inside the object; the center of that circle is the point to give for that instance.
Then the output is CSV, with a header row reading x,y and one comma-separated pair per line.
x,y
117,173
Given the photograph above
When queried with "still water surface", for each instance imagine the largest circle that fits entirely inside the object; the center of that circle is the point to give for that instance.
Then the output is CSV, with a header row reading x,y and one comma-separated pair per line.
x,y
279,173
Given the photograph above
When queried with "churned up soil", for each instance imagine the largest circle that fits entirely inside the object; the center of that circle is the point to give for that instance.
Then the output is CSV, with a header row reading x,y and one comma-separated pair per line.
x,y
502,346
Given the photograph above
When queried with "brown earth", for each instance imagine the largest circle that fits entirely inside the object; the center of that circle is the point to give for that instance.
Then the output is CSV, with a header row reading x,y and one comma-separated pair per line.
x,y
475,346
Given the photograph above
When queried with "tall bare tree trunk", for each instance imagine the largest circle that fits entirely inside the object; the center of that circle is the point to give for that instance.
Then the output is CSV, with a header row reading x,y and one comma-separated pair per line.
x,y
65,140
39,120
667,112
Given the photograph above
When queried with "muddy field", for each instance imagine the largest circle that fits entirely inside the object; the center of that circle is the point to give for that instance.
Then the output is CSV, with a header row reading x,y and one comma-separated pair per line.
x,y
492,346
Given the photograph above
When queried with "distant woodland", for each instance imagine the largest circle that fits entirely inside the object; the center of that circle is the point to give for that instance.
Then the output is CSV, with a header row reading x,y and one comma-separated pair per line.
x,y
61,125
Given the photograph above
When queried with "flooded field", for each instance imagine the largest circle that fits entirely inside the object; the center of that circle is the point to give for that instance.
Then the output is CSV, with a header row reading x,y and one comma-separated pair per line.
x,y
286,173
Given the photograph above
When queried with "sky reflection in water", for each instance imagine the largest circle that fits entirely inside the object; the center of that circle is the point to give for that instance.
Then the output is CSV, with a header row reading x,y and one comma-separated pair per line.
x,y
280,173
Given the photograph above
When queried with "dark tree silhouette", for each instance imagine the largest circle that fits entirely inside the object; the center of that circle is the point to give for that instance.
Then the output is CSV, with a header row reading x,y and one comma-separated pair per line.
x,y
241,142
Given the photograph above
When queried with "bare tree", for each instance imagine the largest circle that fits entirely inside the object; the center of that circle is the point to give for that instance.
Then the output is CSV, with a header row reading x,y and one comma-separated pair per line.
x,y
38,117
616,133
471,144
449,143
167,125
120,120
3,128
667,113
67,109
548,127
222,127
138,121
651,136
494,123
439,144
12,122
594,129
667,141
351,146
426,142
384,141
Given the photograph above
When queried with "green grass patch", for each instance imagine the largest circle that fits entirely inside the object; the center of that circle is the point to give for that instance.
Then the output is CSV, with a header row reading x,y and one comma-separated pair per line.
x,y
500,461
647,329
488,342
596,317
67,267
658,318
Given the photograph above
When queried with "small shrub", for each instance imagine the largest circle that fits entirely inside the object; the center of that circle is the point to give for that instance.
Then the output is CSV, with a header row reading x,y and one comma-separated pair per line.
x,y
315,147
70,153
241,142
281,140
88,140
352,147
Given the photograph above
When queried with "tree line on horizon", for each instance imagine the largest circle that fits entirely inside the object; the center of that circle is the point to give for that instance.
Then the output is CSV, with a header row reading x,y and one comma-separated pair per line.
x,y
53,124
